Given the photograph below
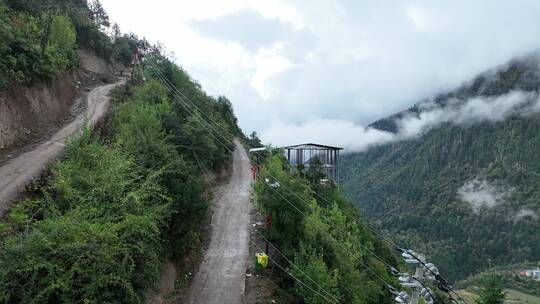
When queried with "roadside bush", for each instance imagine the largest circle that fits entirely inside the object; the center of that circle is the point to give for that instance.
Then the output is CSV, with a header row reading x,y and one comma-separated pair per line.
x,y
309,264
204,123
288,208
325,244
102,236
139,131
67,260
28,52
111,211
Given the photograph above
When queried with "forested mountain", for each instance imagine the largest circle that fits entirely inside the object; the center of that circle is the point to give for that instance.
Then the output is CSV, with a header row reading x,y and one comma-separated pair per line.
x,y
465,193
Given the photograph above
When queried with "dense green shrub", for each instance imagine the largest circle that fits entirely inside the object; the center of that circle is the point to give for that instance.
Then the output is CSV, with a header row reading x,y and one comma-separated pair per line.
x,y
101,237
39,38
309,264
67,260
111,210
196,122
491,292
140,131
323,237
34,46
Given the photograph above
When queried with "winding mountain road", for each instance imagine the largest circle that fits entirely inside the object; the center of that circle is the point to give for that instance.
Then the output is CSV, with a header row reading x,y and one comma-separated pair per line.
x,y
221,275
16,174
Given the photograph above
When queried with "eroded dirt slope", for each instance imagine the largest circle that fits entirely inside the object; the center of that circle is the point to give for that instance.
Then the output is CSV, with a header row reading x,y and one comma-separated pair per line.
x,y
19,171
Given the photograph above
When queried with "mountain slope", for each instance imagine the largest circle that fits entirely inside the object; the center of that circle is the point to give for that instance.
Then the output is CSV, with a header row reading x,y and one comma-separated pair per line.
x,y
21,170
467,195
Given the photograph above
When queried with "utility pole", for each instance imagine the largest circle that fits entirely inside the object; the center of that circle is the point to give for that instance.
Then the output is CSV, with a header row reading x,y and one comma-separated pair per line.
x,y
419,274
414,282
423,272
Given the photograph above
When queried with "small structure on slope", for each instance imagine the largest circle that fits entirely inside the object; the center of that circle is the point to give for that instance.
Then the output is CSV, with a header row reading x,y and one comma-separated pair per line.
x,y
302,156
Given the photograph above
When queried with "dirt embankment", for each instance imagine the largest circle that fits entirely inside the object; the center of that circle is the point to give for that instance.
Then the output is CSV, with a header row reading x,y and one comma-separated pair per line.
x,y
27,114
19,171
92,63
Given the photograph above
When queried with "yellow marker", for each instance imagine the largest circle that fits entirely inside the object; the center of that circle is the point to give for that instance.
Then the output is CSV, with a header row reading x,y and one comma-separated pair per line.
x,y
262,259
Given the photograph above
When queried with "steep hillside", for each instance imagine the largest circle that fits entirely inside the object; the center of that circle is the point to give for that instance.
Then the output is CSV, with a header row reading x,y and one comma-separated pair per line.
x,y
46,49
123,199
322,240
125,196
466,194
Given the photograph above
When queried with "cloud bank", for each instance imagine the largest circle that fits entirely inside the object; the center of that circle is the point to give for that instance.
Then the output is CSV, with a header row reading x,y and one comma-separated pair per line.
x,y
524,213
355,137
480,193
341,62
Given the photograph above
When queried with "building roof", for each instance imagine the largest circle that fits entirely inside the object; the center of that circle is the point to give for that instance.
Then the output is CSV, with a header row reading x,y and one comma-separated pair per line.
x,y
311,146
257,149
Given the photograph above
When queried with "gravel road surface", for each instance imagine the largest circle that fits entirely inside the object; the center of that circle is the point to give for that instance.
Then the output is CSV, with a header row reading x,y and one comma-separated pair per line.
x,y
221,275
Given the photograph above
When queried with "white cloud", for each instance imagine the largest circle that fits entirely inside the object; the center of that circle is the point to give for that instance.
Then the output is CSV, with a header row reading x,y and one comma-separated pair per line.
x,y
355,137
480,193
525,212
471,111
346,60
423,19
327,131
268,63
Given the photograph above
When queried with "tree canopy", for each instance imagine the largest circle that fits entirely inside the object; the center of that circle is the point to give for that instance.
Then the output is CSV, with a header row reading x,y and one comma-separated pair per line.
x,y
324,238
411,188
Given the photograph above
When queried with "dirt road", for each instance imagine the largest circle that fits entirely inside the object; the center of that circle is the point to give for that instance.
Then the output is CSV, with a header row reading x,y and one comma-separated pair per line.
x,y
18,172
220,278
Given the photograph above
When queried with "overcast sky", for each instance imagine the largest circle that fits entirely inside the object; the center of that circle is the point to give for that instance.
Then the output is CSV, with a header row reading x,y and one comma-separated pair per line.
x,y
310,70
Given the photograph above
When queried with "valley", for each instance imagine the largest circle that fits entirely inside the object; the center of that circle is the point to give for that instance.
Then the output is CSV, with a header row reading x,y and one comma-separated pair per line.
x,y
464,193
392,155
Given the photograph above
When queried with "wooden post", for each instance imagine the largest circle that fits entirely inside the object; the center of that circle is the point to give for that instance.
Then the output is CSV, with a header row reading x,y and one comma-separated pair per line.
x,y
268,227
419,274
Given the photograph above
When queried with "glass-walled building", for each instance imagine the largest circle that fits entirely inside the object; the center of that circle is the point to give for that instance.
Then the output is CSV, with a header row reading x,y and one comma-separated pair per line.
x,y
305,154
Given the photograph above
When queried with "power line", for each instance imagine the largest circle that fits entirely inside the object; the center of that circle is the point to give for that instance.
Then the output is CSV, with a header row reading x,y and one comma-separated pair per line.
x,y
390,288
176,93
189,110
291,263
169,86
182,96
295,278
365,224
204,171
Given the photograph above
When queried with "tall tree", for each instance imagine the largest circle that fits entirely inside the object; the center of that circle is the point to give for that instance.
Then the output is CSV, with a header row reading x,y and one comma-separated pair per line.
x,y
62,33
99,15
253,140
115,31
492,292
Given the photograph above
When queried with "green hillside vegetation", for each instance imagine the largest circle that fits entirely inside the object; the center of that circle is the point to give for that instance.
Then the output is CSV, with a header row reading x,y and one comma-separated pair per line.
x,y
517,297
120,200
511,296
323,237
510,278
39,38
410,188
